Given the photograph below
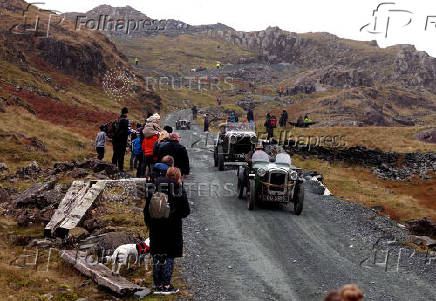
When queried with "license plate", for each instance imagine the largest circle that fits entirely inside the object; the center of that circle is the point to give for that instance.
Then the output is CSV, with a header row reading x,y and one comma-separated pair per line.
x,y
275,198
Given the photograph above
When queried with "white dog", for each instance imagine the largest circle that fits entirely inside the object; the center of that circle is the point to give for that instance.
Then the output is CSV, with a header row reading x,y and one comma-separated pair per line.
x,y
123,253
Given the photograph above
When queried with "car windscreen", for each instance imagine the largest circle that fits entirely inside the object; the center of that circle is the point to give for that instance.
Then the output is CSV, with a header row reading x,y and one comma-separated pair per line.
x,y
260,156
283,158
240,127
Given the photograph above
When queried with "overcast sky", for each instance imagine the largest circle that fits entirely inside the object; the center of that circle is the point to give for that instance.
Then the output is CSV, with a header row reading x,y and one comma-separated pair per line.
x,y
342,18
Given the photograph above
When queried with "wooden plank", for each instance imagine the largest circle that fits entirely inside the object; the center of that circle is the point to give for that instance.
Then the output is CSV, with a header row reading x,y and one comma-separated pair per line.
x,y
77,190
101,274
82,205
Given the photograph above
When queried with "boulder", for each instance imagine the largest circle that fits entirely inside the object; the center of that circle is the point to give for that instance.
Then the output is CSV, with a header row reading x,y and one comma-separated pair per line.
x,y
63,167
38,196
422,227
78,173
4,195
30,171
109,168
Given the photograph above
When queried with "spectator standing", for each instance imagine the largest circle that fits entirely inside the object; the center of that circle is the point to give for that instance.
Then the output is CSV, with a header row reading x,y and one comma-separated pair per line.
x,y
136,151
177,151
151,134
206,123
119,140
166,234
250,115
100,142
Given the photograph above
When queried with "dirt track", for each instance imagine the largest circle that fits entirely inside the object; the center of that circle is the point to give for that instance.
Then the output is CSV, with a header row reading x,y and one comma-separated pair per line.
x,y
270,254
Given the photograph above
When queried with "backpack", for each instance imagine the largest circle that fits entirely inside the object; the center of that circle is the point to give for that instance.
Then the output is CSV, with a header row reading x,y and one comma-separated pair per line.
x,y
159,206
112,128
273,122
137,147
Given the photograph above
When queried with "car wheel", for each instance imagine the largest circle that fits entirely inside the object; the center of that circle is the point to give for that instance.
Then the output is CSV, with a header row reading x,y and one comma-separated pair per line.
x,y
298,199
220,159
251,195
215,158
241,185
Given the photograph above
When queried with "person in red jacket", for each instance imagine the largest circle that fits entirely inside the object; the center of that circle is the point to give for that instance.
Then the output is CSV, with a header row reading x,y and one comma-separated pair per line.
x,y
151,134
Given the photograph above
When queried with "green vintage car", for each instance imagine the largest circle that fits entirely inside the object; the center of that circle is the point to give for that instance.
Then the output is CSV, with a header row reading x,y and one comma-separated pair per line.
x,y
271,180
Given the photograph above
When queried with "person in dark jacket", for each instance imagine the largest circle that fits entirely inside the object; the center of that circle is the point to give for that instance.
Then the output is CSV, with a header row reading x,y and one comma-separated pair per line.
x,y
300,122
250,115
269,127
166,235
284,118
206,123
177,151
119,141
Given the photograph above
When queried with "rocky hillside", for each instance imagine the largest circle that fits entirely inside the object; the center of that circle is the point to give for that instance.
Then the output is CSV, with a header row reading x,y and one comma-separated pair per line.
x,y
51,88
339,62
122,15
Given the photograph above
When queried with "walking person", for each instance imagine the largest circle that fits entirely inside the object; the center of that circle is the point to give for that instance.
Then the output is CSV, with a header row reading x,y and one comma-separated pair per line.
x,y
119,141
165,227
100,143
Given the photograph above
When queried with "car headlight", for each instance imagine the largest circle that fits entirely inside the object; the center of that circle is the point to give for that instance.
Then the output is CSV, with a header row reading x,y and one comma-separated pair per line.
x,y
233,139
261,172
253,139
293,175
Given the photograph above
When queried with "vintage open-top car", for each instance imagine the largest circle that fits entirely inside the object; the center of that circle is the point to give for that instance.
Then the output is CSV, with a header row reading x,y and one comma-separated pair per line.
x,y
236,139
272,180
183,124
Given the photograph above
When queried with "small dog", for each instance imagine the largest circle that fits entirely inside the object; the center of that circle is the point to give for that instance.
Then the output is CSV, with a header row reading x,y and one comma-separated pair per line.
x,y
123,253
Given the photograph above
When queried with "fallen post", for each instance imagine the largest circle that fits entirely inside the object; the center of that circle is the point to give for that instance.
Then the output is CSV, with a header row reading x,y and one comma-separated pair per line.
x,y
101,274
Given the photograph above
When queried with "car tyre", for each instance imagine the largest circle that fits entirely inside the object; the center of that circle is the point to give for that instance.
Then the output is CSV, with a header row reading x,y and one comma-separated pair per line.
x,y
251,195
215,157
220,159
298,199
241,183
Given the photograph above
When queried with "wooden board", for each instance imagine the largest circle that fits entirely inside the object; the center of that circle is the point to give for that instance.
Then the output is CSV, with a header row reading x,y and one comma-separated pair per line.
x,y
101,274
73,207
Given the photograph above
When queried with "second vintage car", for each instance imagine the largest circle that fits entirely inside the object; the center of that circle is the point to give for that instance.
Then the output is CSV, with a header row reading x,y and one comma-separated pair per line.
x,y
235,141
183,124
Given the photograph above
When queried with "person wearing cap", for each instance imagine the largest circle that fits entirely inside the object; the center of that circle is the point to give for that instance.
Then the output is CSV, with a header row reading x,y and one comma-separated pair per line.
x,y
249,156
177,151
119,140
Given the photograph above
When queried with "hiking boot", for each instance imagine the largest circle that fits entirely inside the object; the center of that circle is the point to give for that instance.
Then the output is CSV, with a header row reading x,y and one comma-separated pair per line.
x,y
157,290
169,290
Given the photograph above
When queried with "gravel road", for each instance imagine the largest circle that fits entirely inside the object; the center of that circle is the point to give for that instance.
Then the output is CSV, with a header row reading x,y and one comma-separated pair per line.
x,y
270,254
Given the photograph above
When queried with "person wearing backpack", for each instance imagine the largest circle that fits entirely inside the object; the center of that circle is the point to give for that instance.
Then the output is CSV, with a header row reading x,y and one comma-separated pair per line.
x,y
163,213
270,124
120,129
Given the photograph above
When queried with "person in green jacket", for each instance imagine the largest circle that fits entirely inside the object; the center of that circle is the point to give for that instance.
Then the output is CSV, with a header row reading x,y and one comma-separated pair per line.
x,y
136,61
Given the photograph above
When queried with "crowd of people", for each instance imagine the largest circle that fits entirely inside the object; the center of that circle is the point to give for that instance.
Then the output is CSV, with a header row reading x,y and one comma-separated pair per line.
x,y
156,154
286,91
